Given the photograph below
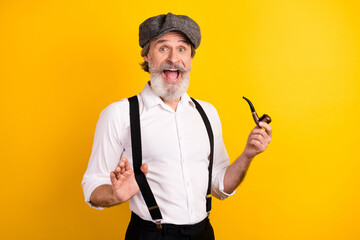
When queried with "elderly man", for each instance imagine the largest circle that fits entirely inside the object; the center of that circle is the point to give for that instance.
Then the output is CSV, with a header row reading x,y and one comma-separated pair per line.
x,y
163,151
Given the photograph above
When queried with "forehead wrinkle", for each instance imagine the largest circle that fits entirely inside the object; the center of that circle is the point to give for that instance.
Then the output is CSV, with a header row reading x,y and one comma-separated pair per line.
x,y
184,41
161,41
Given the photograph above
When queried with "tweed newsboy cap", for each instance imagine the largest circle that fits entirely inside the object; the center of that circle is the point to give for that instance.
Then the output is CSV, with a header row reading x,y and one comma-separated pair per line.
x,y
154,27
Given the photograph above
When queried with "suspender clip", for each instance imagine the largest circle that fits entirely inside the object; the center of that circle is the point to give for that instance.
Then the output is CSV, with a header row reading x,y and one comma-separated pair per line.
x,y
158,224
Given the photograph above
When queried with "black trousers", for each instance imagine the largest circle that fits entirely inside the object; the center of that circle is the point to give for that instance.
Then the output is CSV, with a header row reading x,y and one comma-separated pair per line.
x,y
140,229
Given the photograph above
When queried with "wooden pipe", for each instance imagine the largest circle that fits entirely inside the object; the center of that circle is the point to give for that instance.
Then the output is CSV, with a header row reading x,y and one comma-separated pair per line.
x,y
264,118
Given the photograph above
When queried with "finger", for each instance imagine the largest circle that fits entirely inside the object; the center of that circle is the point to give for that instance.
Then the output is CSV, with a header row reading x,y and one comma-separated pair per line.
x,y
123,163
123,166
261,138
260,135
127,166
119,169
258,131
267,128
113,178
124,160
258,138
144,168
258,145
117,172
263,133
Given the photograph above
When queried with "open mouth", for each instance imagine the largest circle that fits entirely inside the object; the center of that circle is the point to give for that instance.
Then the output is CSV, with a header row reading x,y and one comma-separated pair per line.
x,y
171,75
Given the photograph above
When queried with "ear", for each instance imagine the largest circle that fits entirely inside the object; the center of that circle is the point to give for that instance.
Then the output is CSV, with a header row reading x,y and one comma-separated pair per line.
x,y
146,59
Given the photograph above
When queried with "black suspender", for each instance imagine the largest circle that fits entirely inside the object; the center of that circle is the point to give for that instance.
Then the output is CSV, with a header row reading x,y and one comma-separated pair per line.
x,y
137,158
211,157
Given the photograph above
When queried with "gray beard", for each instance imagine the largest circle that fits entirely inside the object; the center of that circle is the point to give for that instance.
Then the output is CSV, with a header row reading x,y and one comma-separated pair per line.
x,y
169,91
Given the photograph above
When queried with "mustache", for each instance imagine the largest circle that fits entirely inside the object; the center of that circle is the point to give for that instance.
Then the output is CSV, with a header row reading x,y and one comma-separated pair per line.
x,y
166,66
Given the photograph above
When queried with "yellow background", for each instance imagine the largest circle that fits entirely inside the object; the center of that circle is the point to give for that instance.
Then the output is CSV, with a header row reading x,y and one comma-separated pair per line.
x,y
62,62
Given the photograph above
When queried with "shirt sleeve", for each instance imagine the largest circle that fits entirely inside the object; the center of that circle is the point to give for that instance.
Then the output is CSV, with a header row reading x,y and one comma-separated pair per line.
x,y
106,151
221,157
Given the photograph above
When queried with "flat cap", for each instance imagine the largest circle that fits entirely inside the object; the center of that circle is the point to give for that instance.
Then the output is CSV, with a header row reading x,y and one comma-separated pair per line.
x,y
154,27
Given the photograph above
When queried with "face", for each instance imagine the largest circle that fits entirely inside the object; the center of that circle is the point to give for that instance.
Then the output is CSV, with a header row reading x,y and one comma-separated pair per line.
x,y
169,61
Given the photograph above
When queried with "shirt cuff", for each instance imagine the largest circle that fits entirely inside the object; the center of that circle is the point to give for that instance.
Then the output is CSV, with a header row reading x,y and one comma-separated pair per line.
x,y
89,189
218,188
223,193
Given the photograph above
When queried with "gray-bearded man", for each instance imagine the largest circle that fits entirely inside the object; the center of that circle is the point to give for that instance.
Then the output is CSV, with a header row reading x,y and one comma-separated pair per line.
x,y
176,148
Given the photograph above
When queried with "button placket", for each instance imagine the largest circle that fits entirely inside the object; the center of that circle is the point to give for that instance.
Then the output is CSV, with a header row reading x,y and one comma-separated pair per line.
x,y
184,167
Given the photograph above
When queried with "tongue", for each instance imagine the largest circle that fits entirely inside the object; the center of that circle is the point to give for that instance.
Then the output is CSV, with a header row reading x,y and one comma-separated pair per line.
x,y
171,75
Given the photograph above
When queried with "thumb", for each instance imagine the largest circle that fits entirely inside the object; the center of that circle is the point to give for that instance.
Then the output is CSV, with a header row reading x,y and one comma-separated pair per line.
x,y
144,168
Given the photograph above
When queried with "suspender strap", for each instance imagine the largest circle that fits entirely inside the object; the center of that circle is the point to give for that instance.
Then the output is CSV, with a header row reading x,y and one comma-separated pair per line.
x,y
137,160
211,158
137,157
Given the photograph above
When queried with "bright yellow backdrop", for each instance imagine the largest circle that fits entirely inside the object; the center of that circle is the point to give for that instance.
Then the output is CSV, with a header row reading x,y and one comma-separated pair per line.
x,y
62,62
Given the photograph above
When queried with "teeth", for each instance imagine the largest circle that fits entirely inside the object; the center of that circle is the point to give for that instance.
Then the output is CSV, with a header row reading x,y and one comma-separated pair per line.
x,y
173,70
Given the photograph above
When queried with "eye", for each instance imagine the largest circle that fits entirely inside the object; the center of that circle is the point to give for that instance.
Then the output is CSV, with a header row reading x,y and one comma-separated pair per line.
x,y
163,49
182,49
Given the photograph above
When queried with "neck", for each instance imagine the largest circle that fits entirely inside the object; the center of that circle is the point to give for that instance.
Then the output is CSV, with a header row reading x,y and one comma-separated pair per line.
x,y
173,103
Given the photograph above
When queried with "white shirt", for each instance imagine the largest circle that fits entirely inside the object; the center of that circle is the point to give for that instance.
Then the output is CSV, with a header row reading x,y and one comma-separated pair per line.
x,y
176,147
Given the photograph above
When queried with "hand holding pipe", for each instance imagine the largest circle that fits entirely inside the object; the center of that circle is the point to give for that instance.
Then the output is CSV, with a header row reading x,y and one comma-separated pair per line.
x,y
264,118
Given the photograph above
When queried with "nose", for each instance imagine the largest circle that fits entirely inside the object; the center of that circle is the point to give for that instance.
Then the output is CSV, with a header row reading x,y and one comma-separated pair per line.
x,y
173,57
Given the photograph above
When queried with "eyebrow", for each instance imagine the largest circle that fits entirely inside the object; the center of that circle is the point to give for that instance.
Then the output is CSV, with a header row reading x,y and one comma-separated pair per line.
x,y
164,40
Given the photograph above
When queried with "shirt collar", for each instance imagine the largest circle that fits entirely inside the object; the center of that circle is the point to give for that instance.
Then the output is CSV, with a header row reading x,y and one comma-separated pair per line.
x,y
150,99
186,100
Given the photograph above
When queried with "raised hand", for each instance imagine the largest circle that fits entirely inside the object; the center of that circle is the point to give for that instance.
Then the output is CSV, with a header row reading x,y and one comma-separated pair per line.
x,y
123,181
